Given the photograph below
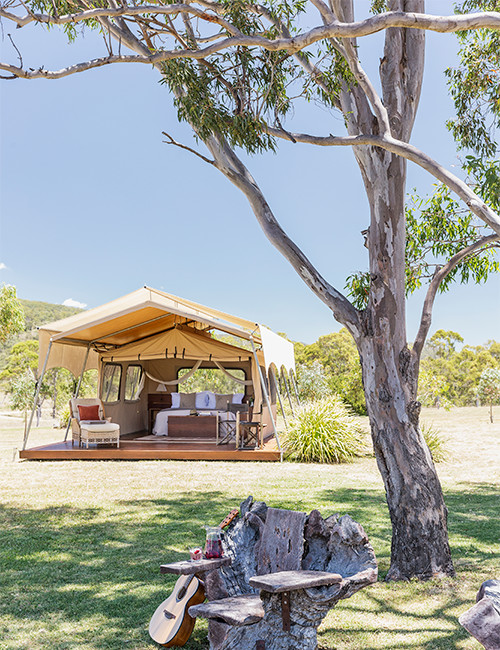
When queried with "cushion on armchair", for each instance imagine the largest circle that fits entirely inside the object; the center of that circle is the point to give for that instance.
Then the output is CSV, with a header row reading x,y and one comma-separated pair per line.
x,y
89,412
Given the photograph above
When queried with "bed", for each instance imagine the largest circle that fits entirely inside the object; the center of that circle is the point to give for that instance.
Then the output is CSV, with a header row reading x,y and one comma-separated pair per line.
x,y
197,405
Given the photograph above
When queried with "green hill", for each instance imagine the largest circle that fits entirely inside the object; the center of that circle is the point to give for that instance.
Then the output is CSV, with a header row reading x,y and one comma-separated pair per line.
x,y
38,313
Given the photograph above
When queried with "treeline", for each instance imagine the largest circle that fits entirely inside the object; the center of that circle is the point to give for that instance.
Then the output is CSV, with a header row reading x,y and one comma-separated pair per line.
x,y
449,371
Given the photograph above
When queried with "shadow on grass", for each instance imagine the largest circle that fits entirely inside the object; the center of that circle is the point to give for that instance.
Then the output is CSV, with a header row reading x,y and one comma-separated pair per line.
x,y
440,630
86,566
96,570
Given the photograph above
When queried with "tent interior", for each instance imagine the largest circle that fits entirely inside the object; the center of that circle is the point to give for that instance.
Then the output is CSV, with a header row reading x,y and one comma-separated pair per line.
x,y
147,344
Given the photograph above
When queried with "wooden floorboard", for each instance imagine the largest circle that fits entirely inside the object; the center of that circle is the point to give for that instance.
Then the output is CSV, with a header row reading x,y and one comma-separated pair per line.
x,y
139,450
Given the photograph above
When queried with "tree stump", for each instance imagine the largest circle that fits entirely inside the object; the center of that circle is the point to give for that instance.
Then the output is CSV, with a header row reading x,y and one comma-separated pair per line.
x,y
482,620
287,571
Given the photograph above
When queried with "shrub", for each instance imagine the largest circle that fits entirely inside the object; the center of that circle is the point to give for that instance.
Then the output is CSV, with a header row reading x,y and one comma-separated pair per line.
x,y
323,432
64,416
436,442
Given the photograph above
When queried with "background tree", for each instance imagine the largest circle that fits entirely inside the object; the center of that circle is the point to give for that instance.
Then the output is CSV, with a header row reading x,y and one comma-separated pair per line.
x,y
22,390
312,381
489,388
339,359
11,313
450,376
234,70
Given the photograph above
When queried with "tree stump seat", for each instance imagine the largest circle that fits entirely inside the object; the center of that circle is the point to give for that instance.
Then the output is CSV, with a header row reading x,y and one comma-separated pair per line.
x,y
482,620
236,610
287,570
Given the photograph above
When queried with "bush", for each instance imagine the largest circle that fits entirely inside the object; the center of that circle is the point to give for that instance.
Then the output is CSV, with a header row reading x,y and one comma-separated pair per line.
x,y
64,416
323,432
436,442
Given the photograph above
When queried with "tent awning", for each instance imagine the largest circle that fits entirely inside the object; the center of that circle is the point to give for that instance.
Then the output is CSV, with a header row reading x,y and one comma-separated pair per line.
x,y
181,343
137,318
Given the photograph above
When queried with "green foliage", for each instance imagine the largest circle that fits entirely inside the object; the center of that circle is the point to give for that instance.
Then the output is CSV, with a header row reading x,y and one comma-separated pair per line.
x,y
38,313
312,382
236,92
489,386
437,228
379,6
485,175
323,432
64,416
475,85
338,355
449,376
433,389
358,288
23,356
436,442
11,313
443,343
22,390
211,379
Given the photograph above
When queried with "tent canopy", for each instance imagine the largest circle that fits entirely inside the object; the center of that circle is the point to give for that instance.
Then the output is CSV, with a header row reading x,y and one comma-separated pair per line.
x,y
154,324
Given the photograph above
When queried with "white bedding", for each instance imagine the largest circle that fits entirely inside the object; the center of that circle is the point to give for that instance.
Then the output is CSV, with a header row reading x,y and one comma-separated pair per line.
x,y
161,423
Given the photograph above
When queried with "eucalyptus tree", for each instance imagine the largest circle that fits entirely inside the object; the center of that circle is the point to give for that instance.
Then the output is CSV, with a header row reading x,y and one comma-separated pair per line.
x,y
234,68
11,313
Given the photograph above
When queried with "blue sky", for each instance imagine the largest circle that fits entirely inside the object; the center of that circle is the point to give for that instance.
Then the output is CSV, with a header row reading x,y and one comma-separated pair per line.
x,y
94,204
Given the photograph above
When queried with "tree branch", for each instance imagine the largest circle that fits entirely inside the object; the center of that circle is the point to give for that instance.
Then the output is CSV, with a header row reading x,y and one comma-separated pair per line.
x,y
231,166
442,24
351,56
439,276
186,148
408,151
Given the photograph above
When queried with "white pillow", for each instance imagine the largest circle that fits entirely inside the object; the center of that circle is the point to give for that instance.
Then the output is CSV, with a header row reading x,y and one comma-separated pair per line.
x,y
238,398
205,400
176,400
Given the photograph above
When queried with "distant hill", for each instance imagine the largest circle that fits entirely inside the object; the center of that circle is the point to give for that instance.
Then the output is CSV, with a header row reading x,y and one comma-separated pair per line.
x,y
38,313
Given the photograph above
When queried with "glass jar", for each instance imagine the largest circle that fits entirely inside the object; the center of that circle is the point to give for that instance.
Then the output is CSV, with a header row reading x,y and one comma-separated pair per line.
x,y
213,543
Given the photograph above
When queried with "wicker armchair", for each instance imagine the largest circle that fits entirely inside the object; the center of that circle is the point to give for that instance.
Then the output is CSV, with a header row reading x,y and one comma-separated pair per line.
x,y
104,433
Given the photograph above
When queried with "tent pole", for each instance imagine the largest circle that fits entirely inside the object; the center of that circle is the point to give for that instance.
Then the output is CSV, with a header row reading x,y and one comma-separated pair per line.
x,y
37,394
266,395
279,399
285,381
78,388
294,384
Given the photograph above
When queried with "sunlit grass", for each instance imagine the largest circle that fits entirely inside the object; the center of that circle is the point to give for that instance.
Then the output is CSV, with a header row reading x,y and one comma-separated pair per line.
x,y
81,542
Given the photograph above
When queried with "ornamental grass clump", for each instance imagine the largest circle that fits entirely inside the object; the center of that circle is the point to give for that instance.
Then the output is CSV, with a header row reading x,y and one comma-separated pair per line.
x,y
323,432
437,443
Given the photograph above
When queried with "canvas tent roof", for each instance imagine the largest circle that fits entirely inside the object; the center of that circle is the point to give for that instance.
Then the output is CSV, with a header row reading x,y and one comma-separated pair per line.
x,y
139,318
180,343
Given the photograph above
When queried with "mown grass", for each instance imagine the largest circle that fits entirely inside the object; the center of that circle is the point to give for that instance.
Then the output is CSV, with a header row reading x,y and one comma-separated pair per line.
x,y
81,542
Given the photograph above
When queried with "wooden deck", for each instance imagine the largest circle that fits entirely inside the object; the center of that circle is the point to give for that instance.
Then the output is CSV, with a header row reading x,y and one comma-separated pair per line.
x,y
134,449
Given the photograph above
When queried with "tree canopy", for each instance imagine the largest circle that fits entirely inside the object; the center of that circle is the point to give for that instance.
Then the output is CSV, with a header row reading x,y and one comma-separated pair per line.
x,y
11,313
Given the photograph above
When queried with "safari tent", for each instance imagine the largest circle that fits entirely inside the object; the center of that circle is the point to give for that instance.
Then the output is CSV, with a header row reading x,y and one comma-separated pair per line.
x,y
143,347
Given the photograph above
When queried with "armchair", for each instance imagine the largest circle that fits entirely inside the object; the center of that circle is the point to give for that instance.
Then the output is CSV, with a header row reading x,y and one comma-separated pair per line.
x,y
89,423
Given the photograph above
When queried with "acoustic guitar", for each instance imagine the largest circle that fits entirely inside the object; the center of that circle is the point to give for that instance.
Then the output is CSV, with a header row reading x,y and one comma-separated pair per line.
x,y
171,625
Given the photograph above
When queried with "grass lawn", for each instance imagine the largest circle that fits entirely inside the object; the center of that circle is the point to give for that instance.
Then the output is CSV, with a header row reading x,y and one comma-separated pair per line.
x,y
81,542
